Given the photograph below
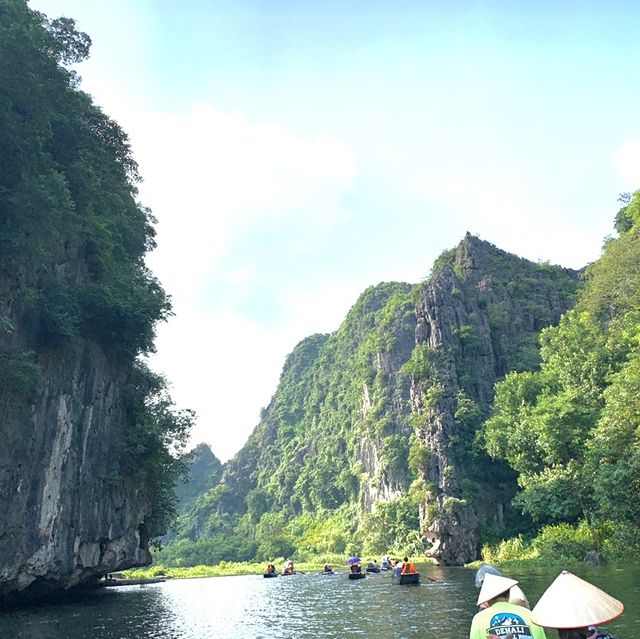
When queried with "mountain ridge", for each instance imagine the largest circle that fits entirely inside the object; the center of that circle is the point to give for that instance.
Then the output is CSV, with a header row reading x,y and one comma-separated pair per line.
x,y
368,417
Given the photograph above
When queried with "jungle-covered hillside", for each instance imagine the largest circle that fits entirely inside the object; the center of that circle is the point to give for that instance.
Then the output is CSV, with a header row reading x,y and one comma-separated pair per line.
x,y
90,436
497,397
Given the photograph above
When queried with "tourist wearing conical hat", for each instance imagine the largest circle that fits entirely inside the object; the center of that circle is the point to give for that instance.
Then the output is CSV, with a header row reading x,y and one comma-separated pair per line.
x,y
502,618
575,607
516,595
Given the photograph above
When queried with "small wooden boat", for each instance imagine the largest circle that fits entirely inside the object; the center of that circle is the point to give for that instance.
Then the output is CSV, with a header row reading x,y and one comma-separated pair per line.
x,y
112,581
373,569
270,574
357,575
408,579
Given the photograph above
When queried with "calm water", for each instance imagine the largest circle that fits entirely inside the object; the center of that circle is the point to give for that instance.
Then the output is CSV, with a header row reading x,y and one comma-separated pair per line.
x,y
303,606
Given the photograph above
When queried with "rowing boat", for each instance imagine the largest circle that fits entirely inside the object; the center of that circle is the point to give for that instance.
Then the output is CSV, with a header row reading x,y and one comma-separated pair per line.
x,y
407,579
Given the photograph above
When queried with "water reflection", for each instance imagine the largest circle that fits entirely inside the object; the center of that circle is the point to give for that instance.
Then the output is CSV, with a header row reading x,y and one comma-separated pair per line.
x,y
300,607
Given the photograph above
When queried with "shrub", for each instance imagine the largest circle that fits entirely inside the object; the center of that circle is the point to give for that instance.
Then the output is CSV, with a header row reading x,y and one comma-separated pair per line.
x,y
506,550
563,541
19,374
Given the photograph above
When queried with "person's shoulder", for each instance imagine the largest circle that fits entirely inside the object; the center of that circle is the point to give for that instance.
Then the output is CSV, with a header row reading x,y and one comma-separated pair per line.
x,y
509,605
485,613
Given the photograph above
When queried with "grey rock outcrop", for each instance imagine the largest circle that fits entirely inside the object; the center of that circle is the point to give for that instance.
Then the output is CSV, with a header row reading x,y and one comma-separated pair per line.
x,y
382,414
478,317
68,513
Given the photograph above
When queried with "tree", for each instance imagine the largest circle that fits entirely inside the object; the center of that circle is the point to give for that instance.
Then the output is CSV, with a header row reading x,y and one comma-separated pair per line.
x,y
73,239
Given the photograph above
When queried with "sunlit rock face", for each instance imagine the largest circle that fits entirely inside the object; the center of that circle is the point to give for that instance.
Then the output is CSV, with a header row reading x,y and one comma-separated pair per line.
x,y
68,515
386,408
478,316
382,483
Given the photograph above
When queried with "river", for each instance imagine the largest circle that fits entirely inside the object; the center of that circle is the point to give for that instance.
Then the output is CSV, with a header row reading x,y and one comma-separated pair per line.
x,y
303,606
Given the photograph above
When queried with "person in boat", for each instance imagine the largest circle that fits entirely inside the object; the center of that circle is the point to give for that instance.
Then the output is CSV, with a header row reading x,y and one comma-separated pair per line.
x,y
407,567
327,569
517,597
483,571
289,568
575,607
271,569
397,567
356,568
373,566
502,618
385,562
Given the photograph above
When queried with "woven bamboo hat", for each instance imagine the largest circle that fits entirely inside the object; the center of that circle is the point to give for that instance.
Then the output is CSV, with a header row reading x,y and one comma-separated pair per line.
x,y
516,596
494,585
571,602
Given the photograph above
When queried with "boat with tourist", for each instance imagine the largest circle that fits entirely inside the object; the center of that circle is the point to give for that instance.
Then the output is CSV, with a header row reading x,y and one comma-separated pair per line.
x,y
355,568
412,578
405,573
270,572
373,566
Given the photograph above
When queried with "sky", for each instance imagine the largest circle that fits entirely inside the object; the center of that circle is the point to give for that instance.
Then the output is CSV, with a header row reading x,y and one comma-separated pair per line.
x,y
295,153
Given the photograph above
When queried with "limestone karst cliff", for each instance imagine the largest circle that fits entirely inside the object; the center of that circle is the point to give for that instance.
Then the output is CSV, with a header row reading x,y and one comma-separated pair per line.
x,y
86,430
477,319
374,425
68,511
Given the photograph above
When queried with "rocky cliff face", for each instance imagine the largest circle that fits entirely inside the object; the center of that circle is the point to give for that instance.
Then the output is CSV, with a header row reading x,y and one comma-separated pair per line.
x,y
86,433
68,514
477,319
378,420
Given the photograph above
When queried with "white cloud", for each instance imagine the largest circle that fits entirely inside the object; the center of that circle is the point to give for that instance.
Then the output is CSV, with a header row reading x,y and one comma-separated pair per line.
x,y
227,367
626,162
211,177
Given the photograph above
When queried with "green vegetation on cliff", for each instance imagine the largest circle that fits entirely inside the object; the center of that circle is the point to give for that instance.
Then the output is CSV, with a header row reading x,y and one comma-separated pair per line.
x,y
353,455
73,238
571,430
68,196
296,484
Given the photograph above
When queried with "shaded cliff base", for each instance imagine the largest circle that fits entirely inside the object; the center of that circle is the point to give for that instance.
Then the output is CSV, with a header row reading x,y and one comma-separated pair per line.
x,y
43,592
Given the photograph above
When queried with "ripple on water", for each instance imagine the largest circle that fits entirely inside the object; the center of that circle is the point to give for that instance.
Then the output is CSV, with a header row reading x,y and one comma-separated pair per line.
x,y
308,606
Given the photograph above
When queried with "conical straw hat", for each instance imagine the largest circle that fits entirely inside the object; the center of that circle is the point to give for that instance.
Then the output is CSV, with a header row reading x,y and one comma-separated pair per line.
x,y
494,585
571,602
516,596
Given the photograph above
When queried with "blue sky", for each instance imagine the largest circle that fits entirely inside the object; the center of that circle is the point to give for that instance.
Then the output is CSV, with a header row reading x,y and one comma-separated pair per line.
x,y
295,153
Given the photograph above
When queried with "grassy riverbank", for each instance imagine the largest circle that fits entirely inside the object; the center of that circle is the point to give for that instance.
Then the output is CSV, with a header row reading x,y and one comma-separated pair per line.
x,y
223,569
229,568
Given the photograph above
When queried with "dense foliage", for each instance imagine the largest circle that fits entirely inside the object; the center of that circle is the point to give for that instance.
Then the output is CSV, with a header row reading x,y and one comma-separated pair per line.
x,y
572,429
73,239
68,195
297,483
338,463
